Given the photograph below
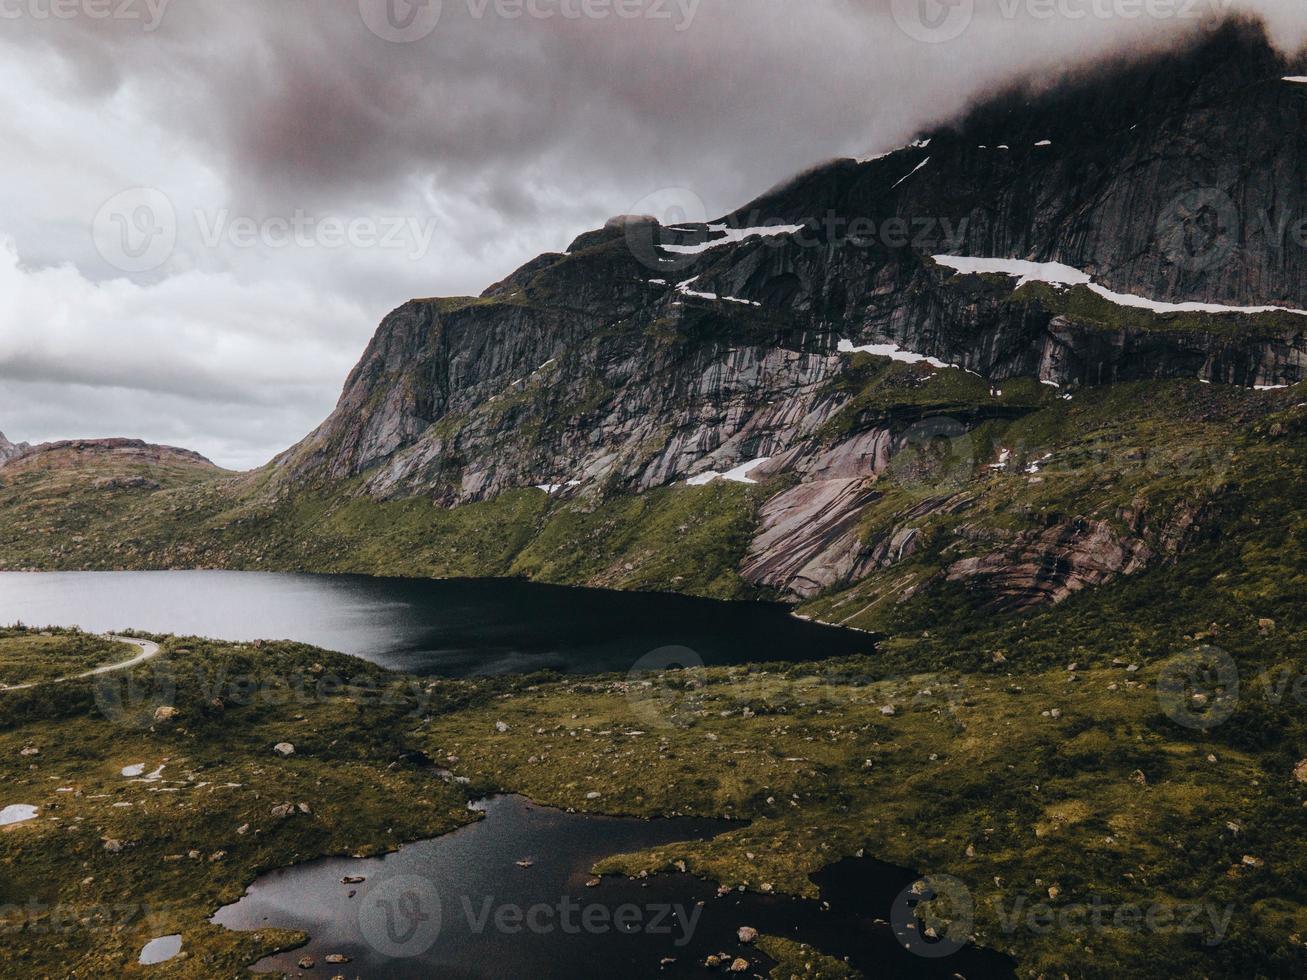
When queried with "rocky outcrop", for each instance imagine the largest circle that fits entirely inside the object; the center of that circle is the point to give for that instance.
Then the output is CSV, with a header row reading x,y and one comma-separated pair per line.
x,y
808,538
1047,565
9,450
92,453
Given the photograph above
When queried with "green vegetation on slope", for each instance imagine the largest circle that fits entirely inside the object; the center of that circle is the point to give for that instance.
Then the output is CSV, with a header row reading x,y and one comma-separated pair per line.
x,y
1033,785
29,658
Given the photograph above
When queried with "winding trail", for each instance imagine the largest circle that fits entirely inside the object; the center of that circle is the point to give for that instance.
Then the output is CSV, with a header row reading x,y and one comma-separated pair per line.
x,y
147,647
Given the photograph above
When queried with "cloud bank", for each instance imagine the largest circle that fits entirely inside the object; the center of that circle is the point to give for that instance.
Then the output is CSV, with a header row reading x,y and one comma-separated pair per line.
x,y
321,161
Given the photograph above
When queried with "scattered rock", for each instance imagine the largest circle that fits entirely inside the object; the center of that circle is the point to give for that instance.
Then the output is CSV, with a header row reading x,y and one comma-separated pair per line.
x,y
887,710
336,958
284,749
30,751
501,727
1300,771
113,846
353,880
747,934
739,965
1139,777
164,714
306,963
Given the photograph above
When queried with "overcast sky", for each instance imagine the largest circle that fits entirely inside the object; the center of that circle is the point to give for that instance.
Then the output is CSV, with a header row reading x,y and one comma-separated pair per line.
x,y
206,206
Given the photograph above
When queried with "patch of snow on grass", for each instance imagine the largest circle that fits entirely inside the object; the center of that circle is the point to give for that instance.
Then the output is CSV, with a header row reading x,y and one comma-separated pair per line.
x,y
160,950
1044,143
17,813
1037,464
738,475
1296,79
135,770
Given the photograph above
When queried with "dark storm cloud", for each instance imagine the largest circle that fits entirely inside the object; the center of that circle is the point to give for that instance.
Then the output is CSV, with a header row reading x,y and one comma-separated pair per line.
x,y
509,134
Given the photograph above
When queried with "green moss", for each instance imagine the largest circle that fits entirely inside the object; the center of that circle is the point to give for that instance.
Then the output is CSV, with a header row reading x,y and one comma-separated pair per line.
x,y
690,539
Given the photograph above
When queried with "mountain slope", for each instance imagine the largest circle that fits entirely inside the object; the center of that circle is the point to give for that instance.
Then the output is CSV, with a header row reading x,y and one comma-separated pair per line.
x,y
548,427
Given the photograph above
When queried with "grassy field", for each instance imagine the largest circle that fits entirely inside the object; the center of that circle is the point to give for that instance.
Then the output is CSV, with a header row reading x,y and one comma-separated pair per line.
x,y
1045,791
27,658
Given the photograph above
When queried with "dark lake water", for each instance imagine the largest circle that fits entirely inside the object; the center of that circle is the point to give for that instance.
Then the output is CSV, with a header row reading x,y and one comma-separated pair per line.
x,y
451,628
461,907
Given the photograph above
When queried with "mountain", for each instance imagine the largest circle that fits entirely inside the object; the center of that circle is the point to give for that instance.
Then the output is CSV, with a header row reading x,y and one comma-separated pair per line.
x,y
1041,348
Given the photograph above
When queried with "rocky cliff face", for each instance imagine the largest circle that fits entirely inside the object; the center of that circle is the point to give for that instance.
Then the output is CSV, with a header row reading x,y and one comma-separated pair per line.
x,y
9,450
646,355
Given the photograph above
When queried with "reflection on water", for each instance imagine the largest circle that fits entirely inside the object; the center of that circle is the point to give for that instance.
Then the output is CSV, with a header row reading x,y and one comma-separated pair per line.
x,y
452,628
512,896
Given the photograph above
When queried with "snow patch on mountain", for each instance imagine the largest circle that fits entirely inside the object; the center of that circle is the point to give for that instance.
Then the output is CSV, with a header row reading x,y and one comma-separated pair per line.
x,y
730,236
739,474
1057,274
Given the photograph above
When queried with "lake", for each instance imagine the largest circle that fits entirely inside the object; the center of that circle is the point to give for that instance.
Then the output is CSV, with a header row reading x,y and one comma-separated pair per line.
x,y
461,906
451,628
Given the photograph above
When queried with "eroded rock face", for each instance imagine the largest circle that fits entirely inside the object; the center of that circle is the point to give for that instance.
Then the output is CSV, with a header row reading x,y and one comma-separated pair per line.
x,y
808,538
1042,567
9,450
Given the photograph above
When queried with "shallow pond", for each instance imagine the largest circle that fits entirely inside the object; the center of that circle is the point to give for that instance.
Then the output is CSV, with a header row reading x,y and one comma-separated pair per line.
x,y
512,896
